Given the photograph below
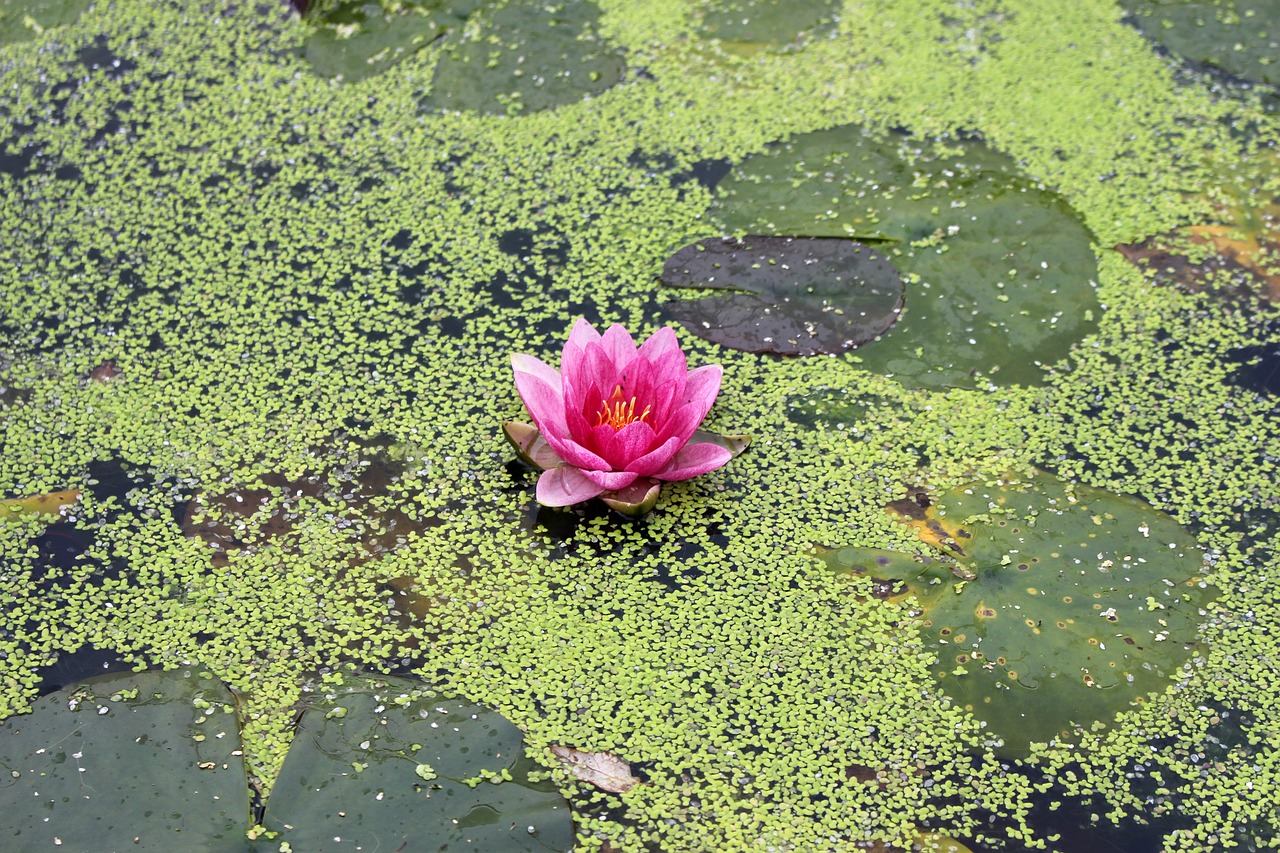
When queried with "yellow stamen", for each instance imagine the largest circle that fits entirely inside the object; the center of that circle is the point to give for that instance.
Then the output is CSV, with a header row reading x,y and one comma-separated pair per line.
x,y
617,413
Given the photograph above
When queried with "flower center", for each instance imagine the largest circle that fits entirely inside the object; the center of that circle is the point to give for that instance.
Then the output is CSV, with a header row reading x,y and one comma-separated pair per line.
x,y
617,413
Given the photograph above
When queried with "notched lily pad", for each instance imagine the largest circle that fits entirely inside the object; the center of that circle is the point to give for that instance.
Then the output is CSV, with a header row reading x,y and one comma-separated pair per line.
x,y
999,272
1241,37
1081,602
141,761
523,57
788,295
386,763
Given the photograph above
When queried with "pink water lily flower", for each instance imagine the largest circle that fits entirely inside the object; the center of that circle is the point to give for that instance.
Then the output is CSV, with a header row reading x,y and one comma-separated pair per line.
x,y
617,420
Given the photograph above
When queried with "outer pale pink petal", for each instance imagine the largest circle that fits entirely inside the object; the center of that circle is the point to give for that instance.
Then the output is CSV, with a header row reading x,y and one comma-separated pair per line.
x,y
564,486
575,454
573,356
659,344
544,403
657,459
609,481
522,363
694,459
620,346
703,385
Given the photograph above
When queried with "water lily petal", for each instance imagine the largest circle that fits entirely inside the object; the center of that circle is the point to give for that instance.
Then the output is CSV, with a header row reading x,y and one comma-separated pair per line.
x,y
620,346
682,422
565,486
544,402
703,385
610,481
522,363
659,344
628,444
575,454
655,460
663,397
694,459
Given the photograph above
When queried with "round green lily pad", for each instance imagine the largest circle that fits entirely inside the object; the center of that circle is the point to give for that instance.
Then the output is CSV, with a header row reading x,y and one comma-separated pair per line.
x,y
523,57
383,763
140,761
999,273
1081,602
764,23
23,20
356,39
788,295
1241,37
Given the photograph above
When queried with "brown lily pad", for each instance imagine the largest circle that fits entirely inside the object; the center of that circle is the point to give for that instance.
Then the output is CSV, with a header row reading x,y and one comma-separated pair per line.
x,y
605,770
785,295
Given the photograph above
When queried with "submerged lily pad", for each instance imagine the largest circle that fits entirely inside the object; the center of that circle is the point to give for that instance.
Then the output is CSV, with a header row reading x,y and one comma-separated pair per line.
x,y
142,761
381,764
23,20
1241,37
744,25
357,38
49,505
524,57
1081,602
791,296
999,272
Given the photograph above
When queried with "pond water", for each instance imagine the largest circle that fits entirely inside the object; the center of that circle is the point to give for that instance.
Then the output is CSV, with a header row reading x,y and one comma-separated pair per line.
x,y
993,287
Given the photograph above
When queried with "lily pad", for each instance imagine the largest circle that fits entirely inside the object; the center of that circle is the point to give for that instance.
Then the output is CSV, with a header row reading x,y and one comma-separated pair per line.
x,y
1081,603
523,57
141,761
49,505
357,38
381,764
23,20
1241,37
999,272
746,26
789,295
152,761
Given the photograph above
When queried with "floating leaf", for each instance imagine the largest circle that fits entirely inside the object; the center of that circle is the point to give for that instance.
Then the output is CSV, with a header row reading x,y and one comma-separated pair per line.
x,y
140,761
999,272
747,26
791,296
1241,37
605,770
357,38
524,57
50,504
359,774
23,20
1082,602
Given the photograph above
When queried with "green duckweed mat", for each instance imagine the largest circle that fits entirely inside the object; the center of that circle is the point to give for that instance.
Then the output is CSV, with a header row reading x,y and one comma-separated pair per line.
x,y
260,317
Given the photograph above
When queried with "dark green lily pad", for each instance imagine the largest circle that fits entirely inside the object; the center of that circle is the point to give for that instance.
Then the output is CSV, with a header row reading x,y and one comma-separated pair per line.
x,y
999,273
152,761
1241,37
356,39
525,57
791,296
141,761
23,20
1081,603
765,23
381,764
